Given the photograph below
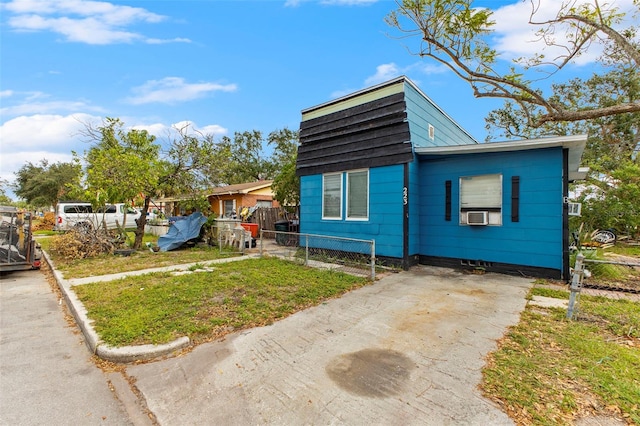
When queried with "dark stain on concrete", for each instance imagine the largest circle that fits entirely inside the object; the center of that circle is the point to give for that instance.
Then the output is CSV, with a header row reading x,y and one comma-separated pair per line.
x,y
375,373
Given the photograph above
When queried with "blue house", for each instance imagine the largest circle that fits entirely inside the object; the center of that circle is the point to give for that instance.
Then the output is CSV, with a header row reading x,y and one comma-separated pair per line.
x,y
387,164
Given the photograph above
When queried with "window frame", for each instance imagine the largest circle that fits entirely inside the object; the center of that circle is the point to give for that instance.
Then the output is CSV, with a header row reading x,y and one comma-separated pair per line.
x,y
340,197
494,205
348,215
224,207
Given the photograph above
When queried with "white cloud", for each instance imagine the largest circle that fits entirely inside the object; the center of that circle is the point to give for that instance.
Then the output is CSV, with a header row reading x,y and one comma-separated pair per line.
x,y
383,73
46,107
214,129
53,133
54,137
91,22
162,131
515,37
157,129
193,129
36,137
6,93
172,90
11,163
386,72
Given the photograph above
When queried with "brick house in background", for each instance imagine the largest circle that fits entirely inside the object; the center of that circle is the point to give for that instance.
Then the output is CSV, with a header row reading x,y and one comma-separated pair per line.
x,y
226,200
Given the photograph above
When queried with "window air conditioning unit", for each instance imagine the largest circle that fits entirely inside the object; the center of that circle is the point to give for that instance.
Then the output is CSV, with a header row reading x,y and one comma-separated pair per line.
x,y
477,218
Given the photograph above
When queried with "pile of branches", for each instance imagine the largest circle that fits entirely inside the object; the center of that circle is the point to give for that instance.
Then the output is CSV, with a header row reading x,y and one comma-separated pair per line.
x,y
45,223
83,242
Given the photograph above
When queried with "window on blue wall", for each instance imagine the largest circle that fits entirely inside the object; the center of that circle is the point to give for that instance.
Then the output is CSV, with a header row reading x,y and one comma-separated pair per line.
x,y
332,196
481,200
358,195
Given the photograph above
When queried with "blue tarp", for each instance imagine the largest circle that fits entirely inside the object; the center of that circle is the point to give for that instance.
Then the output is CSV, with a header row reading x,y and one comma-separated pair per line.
x,y
182,231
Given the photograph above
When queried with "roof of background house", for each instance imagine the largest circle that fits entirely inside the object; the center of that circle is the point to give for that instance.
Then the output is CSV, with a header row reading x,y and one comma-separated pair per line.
x,y
239,188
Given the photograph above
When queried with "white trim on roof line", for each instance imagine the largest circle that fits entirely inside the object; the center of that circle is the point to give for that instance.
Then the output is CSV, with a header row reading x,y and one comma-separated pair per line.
x,y
573,141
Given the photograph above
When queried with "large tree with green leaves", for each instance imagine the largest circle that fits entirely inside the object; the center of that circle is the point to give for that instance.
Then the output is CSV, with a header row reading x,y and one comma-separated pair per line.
x,y
125,164
458,35
121,164
246,159
611,193
42,184
4,198
286,184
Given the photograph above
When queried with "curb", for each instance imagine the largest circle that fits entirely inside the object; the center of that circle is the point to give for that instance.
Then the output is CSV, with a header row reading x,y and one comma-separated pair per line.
x,y
123,354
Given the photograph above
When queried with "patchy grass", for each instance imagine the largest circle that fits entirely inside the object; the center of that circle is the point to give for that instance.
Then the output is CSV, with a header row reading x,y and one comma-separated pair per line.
x,y
44,241
623,249
549,370
45,233
157,308
108,263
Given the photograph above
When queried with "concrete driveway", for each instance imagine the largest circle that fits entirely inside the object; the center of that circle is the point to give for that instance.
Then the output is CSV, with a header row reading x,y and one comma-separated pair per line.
x,y
407,349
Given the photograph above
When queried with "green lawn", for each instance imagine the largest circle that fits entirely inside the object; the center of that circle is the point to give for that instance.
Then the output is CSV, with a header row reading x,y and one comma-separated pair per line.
x,y
158,308
548,369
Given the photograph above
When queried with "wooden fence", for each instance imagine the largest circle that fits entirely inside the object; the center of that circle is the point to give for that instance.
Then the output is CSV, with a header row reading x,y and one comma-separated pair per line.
x,y
266,217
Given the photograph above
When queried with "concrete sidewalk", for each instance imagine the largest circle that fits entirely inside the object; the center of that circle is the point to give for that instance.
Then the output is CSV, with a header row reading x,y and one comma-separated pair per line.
x,y
407,349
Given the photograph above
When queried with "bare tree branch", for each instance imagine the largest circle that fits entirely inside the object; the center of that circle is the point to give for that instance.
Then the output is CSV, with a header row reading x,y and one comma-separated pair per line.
x,y
455,34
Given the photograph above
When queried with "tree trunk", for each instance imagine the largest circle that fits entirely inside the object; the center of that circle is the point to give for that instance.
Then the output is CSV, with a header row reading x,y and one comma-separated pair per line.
x,y
137,244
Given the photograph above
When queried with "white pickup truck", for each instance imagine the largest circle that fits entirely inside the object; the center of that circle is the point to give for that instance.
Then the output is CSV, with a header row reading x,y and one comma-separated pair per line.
x,y
78,214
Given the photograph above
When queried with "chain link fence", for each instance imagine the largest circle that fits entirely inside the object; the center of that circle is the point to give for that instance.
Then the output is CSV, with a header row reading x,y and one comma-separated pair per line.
x,y
582,282
347,255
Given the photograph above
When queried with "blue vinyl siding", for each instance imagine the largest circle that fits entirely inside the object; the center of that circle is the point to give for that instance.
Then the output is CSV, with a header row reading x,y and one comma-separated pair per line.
x,y
385,211
414,208
536,240
421,112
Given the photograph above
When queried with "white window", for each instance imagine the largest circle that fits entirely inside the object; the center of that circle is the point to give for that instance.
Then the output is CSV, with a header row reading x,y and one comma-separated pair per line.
x,y
575,209
229,208
481,197
332,196
358,195
264,204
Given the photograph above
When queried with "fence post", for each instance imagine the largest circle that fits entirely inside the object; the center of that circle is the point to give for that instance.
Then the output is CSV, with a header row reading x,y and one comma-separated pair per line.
x,y
576,284
306,250
261,247
373,260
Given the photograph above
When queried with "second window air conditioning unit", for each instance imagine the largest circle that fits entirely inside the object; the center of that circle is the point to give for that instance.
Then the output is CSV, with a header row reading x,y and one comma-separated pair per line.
x,y
477,218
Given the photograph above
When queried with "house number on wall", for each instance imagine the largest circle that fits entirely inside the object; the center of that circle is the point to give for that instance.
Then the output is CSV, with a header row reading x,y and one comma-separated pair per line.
x,y
405,196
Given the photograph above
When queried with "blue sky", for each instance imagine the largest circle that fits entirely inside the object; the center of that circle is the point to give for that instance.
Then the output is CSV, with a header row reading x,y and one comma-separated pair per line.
x,y
221,66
